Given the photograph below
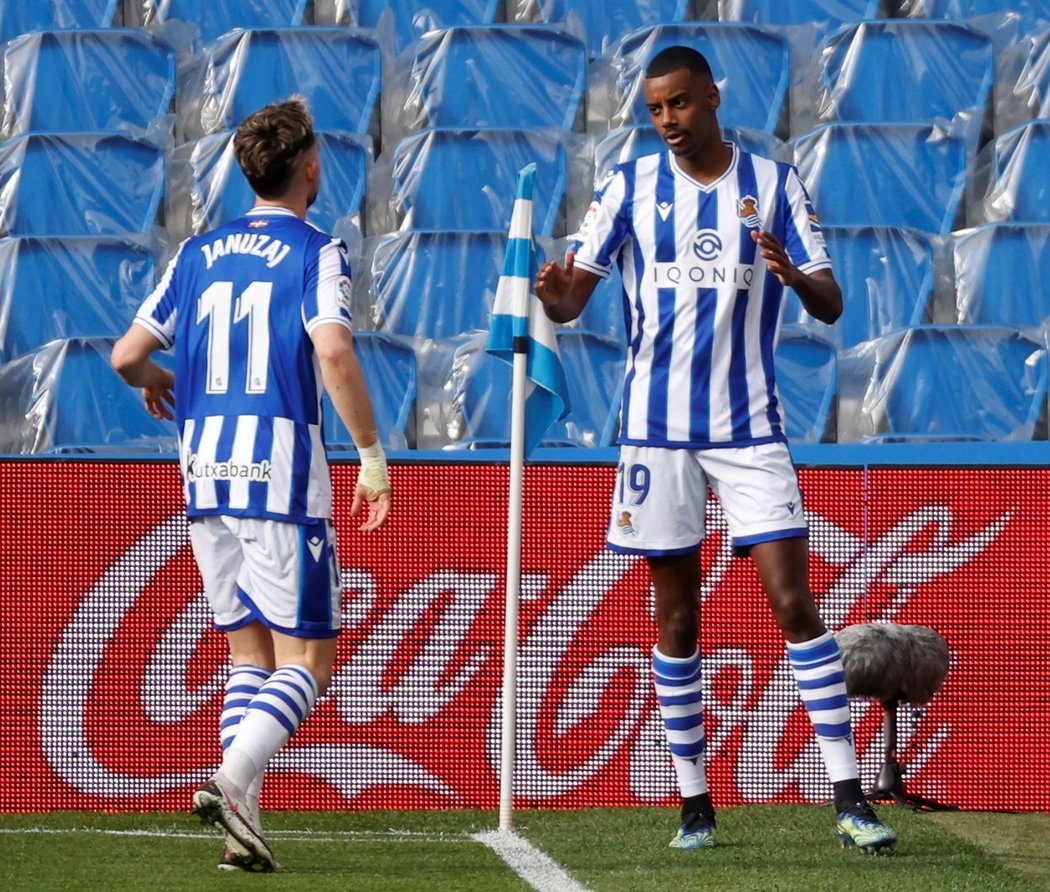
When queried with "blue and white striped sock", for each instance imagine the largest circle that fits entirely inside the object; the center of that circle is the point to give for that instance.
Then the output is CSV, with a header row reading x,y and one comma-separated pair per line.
x,y
677,683
242,685
821,678
272,716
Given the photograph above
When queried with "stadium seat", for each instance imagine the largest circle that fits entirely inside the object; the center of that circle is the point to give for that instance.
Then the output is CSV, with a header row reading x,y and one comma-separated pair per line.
x,y
887,277
99,183
1032,13
908,71
947,382
219,191
1019,189
414,18
111,79
446,178
807,382
825,14
390,371
750,65
21,16
64,397
500,76
481,393
436,284
1001,274
603,22
69,287
210,18
900,175
628,143
247,69
1029,85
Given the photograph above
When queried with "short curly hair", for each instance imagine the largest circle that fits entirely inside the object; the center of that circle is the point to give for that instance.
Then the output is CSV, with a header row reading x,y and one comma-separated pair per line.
x,y
269,144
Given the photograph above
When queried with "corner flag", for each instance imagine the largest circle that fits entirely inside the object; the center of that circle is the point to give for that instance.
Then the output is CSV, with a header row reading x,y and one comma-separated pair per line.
x,y
519,324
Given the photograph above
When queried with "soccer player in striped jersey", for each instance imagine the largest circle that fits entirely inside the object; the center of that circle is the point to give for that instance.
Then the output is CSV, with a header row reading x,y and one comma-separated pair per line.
x,y
707,238
258,313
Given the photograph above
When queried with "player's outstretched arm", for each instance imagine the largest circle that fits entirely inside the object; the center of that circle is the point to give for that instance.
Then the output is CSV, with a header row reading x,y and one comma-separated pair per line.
x,y
131,359
345,382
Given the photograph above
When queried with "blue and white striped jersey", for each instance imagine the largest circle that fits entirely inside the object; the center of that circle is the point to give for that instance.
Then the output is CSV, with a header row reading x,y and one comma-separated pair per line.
x,y
239,303
703,313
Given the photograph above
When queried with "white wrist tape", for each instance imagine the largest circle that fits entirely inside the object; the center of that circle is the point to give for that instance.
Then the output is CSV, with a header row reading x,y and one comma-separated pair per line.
x,y
373,476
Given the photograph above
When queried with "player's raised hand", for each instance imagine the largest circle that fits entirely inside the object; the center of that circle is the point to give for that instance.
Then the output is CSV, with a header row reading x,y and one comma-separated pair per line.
x,y
777,261
554,281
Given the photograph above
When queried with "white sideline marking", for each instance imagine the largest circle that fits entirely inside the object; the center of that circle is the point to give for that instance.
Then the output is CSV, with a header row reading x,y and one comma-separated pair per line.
x,y
540,871
309,836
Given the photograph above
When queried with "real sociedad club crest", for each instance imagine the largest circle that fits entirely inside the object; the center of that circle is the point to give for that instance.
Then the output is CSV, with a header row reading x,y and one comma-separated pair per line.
x,y
747,208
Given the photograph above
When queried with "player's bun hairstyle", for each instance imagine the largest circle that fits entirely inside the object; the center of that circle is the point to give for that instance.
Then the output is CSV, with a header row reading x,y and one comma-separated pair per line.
x,y
675,58
269,144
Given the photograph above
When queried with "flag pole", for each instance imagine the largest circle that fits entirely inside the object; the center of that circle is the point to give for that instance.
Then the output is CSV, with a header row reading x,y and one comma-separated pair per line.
x,y
513,593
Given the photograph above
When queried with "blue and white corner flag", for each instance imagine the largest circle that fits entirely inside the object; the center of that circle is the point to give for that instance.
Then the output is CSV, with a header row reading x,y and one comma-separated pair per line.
x,y
519,324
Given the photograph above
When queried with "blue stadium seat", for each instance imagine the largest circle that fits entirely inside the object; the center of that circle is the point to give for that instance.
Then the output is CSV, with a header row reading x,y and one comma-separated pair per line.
x,y
1032,13
500,76
954,382
413,18
69,287
603,22
825,14
482,393
751,67
628,143
246,70
64,397
445,178
887,278
112,79
210,18
22,16
807,382
219,191
900,175
390,371
436,284
79,184
1001,274
908,71
1019,190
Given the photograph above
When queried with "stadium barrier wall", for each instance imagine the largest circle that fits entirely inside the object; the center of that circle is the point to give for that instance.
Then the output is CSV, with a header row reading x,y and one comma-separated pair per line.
x,y
112,688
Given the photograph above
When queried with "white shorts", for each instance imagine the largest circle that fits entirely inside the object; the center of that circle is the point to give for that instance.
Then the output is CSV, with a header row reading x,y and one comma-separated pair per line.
x,y
283,574
659,502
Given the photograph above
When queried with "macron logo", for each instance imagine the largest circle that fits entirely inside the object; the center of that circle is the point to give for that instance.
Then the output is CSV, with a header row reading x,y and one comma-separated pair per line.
x,y
664,209
316,546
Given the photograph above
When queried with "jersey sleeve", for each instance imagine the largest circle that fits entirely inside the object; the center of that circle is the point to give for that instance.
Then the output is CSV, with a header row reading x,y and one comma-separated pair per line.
x,y
158,312
803,235
327,289
605,226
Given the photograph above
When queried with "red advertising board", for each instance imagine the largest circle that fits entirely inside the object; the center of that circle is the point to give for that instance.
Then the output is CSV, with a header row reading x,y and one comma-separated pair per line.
x,y
112,681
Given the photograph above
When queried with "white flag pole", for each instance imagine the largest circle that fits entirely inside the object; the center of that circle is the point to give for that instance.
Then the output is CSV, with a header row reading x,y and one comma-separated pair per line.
x,y
513,595
508,752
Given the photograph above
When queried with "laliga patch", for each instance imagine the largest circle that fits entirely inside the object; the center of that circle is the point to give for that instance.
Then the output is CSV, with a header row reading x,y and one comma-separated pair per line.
x,y
344,291
589,219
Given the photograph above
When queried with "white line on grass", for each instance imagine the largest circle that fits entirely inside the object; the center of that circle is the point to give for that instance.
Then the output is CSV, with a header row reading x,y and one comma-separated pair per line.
x,y
309,836
540,871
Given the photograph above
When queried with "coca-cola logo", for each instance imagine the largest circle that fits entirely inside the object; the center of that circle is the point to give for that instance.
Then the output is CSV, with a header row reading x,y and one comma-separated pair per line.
x,y
584,704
